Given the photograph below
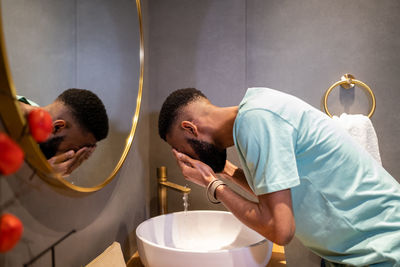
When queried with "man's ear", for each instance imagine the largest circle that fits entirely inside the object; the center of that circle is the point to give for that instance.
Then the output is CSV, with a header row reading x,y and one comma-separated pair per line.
x,y
58,126
190,128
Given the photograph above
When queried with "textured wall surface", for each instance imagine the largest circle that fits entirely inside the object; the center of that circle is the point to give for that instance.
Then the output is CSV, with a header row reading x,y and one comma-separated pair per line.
x,y
193,44
302,48
80,54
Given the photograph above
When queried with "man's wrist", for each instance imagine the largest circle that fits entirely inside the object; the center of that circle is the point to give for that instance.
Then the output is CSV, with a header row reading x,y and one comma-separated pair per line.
x,y
211,190
219,191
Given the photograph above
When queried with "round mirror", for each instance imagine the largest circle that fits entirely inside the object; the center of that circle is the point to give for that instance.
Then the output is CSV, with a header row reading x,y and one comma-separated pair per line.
x,y
51,46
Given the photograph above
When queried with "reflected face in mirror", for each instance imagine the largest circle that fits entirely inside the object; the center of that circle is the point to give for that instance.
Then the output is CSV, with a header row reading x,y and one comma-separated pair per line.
x,y
79,121
50,147
65,139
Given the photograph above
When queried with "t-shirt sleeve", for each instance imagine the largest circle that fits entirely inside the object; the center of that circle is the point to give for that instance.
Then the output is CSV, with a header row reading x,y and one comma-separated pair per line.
x,y
25,100
266,146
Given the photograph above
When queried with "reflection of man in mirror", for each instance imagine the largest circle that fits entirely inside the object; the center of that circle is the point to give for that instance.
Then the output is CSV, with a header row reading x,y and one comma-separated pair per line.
x,y
79,121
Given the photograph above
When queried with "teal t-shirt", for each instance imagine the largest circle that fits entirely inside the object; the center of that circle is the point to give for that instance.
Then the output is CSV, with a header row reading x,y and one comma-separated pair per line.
x,y
346,206
25,100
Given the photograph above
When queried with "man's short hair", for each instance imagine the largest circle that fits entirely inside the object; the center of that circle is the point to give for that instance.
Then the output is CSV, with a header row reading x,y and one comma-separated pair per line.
x,y
88,110
173,105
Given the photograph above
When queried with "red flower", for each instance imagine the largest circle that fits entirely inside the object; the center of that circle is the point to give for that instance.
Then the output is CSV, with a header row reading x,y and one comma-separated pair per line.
x,y
11,229
40,124
11,155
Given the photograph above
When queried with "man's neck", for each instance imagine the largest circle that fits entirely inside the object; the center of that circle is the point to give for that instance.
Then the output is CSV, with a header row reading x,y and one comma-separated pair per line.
x,y
25,108
225,119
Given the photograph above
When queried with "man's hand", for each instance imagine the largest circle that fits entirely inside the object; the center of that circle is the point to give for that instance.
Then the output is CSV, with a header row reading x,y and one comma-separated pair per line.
x,y
67,162
194,170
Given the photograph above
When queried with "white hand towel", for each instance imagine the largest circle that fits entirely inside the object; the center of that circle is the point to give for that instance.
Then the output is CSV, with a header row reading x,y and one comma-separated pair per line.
x,y
361,129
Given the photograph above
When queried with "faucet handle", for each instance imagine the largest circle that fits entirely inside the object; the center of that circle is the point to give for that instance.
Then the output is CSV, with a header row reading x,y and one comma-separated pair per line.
x,y
162,173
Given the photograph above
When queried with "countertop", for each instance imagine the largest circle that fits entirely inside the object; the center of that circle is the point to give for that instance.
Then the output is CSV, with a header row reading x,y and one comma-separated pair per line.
x,y
278,257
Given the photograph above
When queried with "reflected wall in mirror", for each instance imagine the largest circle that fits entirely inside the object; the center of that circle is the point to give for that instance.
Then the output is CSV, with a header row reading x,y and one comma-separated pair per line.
x,y
92,44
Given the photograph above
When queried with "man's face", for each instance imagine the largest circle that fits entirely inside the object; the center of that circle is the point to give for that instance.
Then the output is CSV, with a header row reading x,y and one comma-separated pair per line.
x,y
209,154
198,149
50,146
73,138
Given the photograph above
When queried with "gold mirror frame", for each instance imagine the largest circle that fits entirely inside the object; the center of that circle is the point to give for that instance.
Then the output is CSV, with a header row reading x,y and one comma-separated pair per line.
x,y
15,123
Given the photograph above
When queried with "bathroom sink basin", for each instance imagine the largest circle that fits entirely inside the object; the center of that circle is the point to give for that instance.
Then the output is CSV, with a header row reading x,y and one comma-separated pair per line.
x,y
200,238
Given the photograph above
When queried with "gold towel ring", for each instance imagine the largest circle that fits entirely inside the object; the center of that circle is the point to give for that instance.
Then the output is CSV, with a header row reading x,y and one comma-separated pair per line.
x,y
348,82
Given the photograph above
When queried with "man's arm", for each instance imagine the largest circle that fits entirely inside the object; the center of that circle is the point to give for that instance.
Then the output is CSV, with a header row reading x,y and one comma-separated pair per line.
x,y
272,217
235,175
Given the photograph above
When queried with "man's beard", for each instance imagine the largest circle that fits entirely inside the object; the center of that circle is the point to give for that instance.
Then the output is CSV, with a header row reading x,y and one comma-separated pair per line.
x,y
209,154
50,147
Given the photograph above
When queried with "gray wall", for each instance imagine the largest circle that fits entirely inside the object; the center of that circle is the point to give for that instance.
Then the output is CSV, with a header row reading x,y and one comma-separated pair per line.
x,y
193,43
299,47
113,213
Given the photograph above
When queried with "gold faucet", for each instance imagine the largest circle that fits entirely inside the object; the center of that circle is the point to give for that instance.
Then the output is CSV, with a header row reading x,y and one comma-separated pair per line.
x,y
163,184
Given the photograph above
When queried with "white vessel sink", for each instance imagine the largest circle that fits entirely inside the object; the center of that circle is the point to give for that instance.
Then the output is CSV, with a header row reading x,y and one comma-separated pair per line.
x,y
200,238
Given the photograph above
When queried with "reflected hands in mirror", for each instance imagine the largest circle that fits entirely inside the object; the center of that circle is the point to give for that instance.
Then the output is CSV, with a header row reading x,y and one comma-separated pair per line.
x,y
67,162
79,121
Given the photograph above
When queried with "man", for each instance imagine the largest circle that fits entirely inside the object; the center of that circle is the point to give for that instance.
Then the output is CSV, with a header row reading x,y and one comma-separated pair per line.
x,y
79,121
311,179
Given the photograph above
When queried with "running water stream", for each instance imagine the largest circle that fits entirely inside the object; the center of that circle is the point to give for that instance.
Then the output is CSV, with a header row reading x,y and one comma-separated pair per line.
x,y
185,201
